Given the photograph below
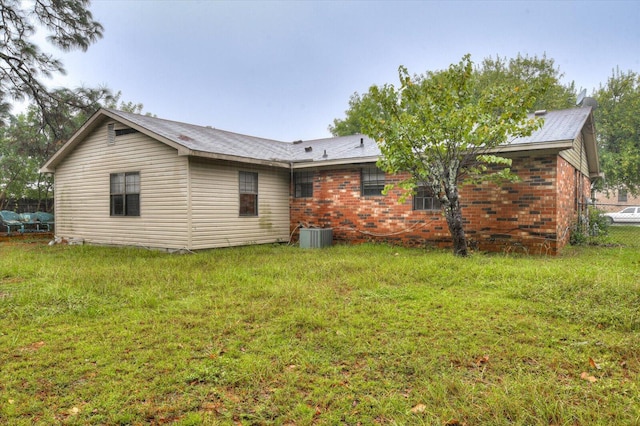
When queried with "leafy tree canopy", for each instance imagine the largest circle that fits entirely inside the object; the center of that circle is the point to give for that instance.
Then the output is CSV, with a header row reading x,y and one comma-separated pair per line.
x,y
440,127
29,139
70,25
539,74
618,124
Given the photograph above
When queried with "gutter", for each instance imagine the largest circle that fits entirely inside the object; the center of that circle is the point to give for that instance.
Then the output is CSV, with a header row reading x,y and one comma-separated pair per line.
x,y
532,146
235,158
302,164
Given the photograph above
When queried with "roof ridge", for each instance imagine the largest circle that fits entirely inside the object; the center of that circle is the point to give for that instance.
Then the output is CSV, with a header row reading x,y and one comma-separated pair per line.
x,y
124,115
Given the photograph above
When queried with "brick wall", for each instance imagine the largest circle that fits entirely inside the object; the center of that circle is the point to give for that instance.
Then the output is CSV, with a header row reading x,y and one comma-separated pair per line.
x,y
574,189
525,216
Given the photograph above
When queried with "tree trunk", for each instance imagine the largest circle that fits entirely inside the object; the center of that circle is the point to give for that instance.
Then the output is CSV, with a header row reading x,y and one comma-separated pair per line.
x,y
453,215
456,229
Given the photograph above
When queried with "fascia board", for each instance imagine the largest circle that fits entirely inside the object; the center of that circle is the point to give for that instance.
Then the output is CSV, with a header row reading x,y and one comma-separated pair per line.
x,y
214,156
146,131
337,162
50,165
89,126
535,146
591,146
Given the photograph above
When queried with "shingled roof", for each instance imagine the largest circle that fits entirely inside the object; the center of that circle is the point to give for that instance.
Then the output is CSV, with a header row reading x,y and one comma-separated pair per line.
x,y
559,130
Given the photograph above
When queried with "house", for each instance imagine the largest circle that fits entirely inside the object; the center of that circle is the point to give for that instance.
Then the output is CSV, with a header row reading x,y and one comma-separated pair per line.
x,y
614,200
129,179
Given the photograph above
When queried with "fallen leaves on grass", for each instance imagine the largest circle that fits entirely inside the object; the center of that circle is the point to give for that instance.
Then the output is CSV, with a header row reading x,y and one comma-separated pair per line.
x,y
420,408
482,360
587,377
34,346
593,364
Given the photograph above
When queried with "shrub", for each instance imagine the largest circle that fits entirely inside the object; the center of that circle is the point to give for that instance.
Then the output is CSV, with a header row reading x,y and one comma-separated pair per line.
x,y
590,227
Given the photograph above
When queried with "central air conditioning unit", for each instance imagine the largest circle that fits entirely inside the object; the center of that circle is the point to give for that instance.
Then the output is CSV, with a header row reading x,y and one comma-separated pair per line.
x,y
316,237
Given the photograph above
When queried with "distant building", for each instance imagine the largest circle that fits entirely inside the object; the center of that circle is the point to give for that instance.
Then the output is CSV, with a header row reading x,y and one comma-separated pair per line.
x,y
615,200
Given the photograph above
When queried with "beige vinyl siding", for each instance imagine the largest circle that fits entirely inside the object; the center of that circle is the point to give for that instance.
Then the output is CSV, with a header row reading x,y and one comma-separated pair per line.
x,y
577,155
82,192
215,206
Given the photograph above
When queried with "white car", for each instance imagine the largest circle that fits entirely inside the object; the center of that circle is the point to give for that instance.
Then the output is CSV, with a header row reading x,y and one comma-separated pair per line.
x,y
626,215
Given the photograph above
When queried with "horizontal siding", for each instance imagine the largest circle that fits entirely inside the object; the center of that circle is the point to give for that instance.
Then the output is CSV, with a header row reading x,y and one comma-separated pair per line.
x,y
577,155
82,192
215,204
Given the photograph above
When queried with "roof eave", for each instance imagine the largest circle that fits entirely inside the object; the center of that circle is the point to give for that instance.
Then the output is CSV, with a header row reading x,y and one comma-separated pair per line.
x,y
234,158
302,164
145,131
88,126
533,146
50,165
589,132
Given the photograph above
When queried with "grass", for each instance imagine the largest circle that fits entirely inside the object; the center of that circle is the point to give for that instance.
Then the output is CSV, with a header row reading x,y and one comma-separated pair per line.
x,y
367,334
626,235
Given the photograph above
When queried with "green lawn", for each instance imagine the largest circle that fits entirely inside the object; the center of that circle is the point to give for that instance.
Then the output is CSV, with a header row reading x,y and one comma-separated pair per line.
x,y
366,334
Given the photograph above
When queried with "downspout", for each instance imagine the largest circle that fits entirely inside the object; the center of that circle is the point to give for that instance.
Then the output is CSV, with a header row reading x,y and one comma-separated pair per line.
x,y
290,183
583,219
189,206
291,194
579,184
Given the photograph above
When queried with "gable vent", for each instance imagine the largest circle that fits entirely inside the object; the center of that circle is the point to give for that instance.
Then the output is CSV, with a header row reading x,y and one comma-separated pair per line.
x,y
126,131
111,134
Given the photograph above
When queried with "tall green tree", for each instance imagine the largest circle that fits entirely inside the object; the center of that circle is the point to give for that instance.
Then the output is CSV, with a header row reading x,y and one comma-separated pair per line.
x,y
355,115
440,128
539,74
28,140
618,124
69,25
16,167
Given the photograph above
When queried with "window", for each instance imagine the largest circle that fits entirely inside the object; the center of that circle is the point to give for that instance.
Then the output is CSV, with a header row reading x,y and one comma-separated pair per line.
x,y
424,199
125,194
303,182
248,194
372,181
622,195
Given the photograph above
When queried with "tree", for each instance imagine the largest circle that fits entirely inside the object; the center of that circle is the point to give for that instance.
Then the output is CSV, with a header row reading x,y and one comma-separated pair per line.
x,y
70,25
539,74
440,128
29,140
353,123
618,123
16,169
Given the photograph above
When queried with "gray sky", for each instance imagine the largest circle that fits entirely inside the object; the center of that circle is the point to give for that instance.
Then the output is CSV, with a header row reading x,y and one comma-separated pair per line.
x,y
285,70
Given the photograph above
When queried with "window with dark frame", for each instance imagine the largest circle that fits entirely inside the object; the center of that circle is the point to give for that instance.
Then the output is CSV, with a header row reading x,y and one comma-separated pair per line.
x,y
425,200
303,182
373,181
622,195
248,193
125,194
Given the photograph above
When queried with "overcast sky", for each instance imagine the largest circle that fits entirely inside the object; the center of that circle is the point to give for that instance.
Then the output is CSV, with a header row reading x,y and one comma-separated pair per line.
x,y
285,70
